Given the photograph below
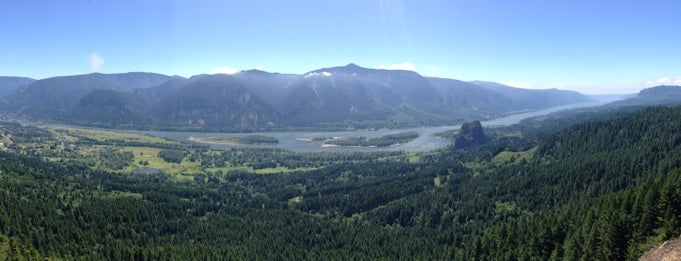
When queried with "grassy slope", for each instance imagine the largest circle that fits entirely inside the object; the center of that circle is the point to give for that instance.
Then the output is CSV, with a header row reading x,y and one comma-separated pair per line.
x,y
514,157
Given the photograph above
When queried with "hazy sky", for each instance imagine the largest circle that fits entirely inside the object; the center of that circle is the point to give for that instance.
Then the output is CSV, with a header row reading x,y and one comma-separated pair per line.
x,y
591,46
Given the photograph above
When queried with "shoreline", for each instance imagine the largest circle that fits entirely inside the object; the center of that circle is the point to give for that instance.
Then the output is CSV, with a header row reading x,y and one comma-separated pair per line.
x,y
205,141
227,141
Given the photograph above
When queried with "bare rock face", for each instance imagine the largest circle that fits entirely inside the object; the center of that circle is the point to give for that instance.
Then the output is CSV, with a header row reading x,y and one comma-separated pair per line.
x,y
668,251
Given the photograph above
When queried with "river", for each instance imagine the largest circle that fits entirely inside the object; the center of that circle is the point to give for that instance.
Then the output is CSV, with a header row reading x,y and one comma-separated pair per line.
x,y
427,141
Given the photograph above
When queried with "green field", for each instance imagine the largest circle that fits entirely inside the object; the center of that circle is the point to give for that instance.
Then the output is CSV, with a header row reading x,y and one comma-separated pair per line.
x,y
514,157
143,156
150,155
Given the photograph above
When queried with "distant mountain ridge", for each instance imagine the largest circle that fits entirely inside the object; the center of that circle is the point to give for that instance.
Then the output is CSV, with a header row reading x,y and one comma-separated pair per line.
x,y
58,95
9,83
659,95
330,98
540,98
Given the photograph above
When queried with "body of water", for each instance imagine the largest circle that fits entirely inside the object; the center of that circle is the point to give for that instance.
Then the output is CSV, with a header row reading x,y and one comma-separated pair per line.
x,y
427,141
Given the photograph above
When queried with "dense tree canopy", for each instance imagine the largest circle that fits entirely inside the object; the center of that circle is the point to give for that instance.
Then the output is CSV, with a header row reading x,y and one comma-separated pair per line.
x,y
598,190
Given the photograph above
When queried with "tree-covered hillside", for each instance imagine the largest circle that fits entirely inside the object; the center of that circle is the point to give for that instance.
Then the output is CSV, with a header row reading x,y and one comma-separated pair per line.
x,y
598,190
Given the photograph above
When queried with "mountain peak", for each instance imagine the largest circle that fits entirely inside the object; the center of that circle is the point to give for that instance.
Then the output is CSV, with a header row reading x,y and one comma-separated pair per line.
x,y
353,66
256,72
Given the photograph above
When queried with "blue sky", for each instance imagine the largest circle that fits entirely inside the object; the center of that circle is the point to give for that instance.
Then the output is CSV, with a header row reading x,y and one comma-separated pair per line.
x,y
590,46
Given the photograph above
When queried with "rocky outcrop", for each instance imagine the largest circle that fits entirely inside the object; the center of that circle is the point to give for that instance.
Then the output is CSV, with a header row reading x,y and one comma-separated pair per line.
x,y
668,251
471,134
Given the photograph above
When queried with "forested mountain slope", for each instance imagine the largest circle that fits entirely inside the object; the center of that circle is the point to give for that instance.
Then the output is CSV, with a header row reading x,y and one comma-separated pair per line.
x,y
598,190
56,96
8,83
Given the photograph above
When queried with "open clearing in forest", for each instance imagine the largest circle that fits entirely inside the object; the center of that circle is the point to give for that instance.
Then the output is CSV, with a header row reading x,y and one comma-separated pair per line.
x,y
514,157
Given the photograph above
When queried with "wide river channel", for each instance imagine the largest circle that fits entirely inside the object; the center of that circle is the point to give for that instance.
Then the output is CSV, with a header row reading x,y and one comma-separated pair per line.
x,y
296,141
